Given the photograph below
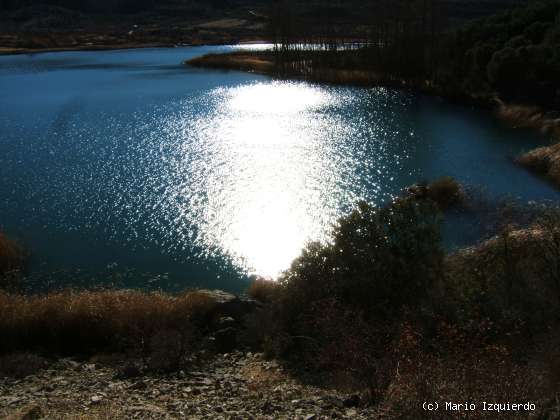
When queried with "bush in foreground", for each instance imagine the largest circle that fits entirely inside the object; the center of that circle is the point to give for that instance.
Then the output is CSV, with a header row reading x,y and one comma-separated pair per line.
x,y
164,330
340,303
381,307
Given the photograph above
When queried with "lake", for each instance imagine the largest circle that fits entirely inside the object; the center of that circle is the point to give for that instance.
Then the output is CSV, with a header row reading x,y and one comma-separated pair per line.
x,y
130,168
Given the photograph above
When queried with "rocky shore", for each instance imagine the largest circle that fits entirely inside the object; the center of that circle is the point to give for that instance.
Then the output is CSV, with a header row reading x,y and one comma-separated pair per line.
x,y
231,386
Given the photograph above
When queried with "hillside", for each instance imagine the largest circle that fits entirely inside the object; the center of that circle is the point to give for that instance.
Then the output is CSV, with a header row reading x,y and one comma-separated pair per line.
x,y
27,25
369,326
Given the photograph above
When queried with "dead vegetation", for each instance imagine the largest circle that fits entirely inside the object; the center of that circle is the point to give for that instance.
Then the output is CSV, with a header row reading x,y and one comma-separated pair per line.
x,y
524,116
164,330
544,161
381,308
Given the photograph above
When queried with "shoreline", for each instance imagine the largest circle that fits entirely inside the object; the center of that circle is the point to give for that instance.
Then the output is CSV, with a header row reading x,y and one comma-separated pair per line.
x,y
34,51
7,51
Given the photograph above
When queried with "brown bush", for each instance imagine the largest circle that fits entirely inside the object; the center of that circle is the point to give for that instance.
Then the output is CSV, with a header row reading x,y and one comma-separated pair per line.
x,y
509,282
445,192
92,322
543,161
382,308
339,306
263,290
472,373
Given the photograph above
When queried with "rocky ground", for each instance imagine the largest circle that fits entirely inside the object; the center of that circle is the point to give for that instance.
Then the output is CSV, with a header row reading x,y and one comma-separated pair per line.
x,y
231,386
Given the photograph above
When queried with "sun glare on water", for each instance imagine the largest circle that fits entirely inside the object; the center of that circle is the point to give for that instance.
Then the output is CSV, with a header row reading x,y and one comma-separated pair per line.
x,y
265,183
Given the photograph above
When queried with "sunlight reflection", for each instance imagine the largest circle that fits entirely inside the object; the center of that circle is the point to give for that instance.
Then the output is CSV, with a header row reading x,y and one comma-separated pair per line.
x,y
267,187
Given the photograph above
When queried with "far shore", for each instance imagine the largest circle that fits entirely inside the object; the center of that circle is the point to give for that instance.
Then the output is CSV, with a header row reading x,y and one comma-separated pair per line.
x,y
22,51
127,46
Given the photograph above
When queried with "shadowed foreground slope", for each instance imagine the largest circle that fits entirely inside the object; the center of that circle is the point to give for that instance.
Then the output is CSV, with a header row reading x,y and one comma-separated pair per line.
x,y
378,320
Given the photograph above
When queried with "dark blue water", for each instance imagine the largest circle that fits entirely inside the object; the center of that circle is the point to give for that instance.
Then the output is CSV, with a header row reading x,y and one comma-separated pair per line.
x,y
128,167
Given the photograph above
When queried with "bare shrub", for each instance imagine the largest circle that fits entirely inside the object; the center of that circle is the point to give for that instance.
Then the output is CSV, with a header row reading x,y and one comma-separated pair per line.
x,y
510,282
339,306
382,308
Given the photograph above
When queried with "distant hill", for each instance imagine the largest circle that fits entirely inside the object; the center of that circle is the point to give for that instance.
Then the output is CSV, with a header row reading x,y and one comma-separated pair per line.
x,y
457,8
32,25
122,6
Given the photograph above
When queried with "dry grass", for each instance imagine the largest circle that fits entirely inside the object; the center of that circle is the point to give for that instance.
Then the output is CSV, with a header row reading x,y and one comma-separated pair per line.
x,y
263,62
544,161
471,372
93,322
530,117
